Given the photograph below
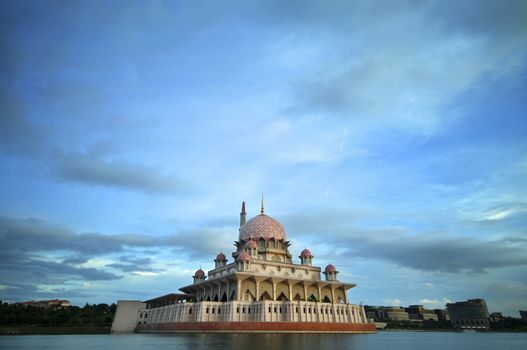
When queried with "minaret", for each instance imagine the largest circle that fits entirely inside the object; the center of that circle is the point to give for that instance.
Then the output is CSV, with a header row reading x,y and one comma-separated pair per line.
x,y
262,210
243,215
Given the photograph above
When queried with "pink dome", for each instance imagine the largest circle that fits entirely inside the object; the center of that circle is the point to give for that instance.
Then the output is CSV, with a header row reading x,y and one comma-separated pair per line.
x,y
262,226
330,268
244,257
252,244
306,254
221,257
199,274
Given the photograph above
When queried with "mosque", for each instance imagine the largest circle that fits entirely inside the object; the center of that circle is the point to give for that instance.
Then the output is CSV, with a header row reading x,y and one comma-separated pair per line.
x,y
261,290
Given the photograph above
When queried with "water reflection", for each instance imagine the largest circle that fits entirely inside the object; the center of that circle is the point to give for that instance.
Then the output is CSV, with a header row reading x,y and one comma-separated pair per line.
x,y
184,341
243,341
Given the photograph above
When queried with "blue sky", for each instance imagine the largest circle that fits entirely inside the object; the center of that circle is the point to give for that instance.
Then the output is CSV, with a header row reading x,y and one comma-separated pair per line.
x,y
388,137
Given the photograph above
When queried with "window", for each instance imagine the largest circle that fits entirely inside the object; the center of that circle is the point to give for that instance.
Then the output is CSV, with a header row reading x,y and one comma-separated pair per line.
x,y
275,309
238,310
189,311
219,310
297,310
280,310
213,309
269,309
304,310
243,310
207,311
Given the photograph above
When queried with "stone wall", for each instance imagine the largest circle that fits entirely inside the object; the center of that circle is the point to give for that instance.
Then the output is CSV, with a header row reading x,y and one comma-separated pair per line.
x,y
263,327
126,315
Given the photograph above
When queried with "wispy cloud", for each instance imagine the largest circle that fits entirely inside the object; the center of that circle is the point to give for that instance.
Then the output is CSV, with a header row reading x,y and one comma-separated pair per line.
x,y
92,170
426,251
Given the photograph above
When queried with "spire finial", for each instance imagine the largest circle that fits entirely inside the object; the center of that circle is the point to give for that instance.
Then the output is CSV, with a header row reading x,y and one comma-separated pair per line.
x,y
262,210
242,215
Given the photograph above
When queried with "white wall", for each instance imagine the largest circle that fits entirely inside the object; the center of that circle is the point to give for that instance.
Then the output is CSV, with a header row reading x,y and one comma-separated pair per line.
x,y
247,311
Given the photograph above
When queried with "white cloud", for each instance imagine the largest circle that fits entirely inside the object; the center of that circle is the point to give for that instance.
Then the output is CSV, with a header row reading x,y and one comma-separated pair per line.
x,y
503,214
428,285
434,303
392,302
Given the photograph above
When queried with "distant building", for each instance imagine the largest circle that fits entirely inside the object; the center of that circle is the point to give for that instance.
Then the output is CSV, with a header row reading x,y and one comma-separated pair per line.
x,y
442,315
396,314
470,314
496,317
46,304
383,313
419,313
374,312
523,315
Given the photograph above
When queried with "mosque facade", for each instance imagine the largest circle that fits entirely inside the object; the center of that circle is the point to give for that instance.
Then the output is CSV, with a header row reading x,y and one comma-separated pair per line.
x,y
261,290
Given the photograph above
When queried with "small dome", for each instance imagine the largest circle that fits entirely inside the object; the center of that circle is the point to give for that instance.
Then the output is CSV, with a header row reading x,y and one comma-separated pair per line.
x,y
306,254
252,244
244,257
199,274
221,257
262,226
330,268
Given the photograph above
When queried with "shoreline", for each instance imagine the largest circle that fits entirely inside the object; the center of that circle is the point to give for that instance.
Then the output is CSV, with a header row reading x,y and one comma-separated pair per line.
x,y
444,331
55,330
95,330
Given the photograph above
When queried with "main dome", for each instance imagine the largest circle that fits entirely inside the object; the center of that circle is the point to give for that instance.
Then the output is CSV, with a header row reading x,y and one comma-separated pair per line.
x,y
262,226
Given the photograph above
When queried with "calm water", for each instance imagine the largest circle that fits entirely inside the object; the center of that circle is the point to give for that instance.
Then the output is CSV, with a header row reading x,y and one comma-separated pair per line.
x,y
387,340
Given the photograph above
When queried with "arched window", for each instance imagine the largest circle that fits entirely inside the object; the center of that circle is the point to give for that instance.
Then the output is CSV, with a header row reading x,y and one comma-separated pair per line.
x,y
249,296
282,297
265,296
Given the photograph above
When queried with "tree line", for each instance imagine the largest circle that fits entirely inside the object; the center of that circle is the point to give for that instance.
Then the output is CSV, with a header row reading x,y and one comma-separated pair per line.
x,y
72,316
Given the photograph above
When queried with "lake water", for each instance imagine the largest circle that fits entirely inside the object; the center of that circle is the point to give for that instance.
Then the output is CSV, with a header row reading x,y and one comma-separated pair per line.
x,y
383,340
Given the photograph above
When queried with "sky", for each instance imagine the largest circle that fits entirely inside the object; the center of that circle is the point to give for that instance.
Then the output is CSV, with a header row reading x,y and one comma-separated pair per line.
x,y
388,137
